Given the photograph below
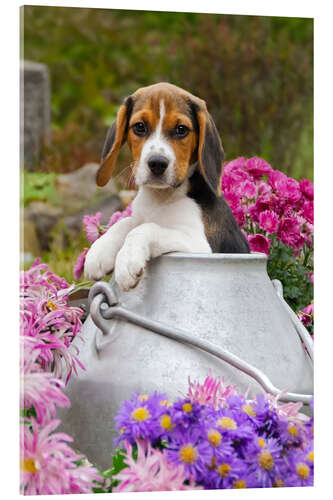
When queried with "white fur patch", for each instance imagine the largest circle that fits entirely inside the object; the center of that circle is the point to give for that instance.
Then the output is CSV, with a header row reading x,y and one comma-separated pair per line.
x,y
156,144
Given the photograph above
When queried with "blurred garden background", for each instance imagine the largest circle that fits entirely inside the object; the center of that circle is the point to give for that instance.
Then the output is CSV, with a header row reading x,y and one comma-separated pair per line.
x,y
255,74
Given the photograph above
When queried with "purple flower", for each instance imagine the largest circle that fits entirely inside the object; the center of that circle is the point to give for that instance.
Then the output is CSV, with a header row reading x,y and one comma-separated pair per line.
x,y
228,471
189,449
184,412
259,243
269,221
140,417
300,471
92,226
265,461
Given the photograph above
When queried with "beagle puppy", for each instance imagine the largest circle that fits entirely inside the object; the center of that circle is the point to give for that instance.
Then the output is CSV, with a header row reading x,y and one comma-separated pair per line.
x,y
179,207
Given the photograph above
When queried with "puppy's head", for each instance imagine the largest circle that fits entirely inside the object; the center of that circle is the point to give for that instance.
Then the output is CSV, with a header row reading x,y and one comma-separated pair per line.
x,y
170,133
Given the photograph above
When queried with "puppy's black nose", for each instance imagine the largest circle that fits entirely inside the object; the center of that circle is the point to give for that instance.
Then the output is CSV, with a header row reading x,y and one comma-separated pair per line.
x,y
158,164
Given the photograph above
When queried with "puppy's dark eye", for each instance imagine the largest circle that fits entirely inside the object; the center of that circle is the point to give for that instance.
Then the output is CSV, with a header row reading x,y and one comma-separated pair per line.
x,y
140,128
182,131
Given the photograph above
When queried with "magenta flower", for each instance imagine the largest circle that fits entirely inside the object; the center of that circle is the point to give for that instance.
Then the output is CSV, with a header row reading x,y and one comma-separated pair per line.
x,y
48,463
306,314
258,167
92,226
307,210
289,231
259,243
79,266
152,471
306,187
246,189
268,221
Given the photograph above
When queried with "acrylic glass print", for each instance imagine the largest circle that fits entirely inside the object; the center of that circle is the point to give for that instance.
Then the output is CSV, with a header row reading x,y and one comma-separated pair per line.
x,y
166,291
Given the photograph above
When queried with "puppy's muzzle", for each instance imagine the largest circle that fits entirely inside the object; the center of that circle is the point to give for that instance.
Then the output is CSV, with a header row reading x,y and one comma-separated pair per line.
x,y
158,164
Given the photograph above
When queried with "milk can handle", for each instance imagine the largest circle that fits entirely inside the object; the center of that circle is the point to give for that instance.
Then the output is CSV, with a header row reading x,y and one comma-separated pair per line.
x,y
103,293
299,327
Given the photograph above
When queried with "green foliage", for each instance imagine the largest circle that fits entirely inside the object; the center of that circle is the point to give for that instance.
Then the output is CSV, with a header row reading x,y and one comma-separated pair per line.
x,y
293,272
255,74
118,465
38,186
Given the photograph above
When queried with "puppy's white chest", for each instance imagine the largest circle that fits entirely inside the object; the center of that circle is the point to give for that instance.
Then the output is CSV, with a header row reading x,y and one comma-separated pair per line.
x,y
168,210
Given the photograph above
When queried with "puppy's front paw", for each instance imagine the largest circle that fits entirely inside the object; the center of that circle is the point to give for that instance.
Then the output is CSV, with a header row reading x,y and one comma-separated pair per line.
x,y
99,260
130,264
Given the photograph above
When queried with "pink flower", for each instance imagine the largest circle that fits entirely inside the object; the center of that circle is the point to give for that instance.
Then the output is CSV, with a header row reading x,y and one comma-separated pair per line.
x,y
268,221
48,463
39,389
151,471
47,317
212,392
79,266
258,167
259,243
290,411
306,187
119,215
92,226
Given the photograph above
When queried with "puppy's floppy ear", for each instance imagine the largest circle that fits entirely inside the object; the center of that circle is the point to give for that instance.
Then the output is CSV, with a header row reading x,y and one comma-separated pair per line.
x,y
115,138
210,150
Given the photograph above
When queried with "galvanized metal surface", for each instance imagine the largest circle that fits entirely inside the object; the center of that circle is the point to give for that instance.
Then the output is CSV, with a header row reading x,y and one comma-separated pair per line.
x,y
224,300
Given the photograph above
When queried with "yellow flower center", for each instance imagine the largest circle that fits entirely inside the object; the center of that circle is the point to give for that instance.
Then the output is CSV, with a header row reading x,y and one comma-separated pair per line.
x,y
249,410
239,484
293,431
166,403
140,414
310,456
28,465
214,437
266,460
187,407
212,464
261,442
278,483
224,469
188,454
166,422
143,397
302,470
227,423
50,305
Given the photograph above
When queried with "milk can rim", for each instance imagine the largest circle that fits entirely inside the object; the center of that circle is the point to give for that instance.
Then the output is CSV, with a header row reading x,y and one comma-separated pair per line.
x,y
218,256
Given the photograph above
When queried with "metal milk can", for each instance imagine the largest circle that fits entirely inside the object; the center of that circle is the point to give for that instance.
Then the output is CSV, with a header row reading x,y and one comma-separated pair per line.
x,y
189,313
